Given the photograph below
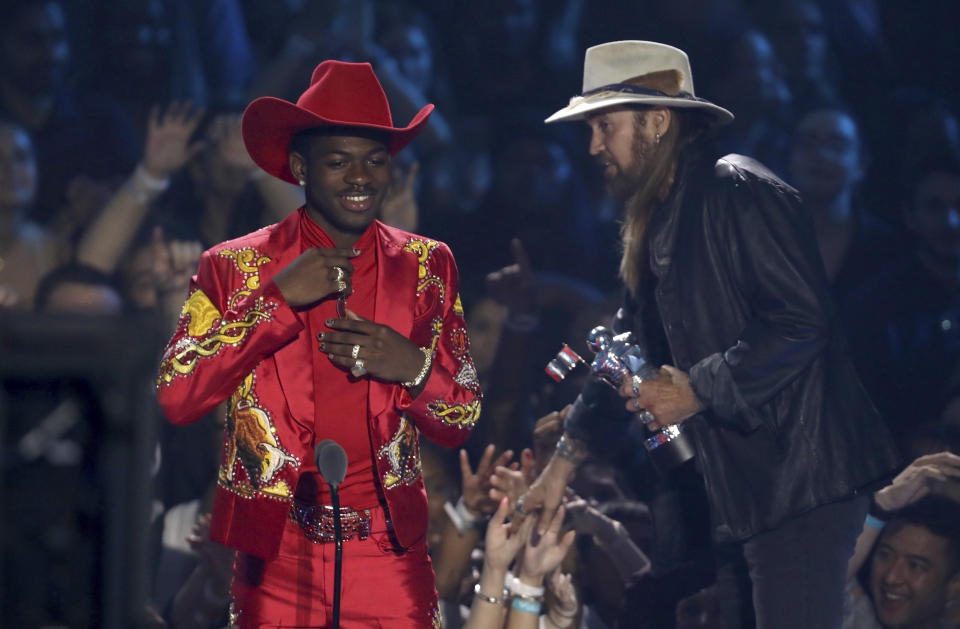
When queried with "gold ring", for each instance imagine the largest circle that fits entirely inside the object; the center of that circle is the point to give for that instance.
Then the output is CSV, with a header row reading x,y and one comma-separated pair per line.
x,y
341,286
340,274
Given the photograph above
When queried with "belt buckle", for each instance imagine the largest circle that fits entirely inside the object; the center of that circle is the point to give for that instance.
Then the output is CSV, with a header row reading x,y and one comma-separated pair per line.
x,y
318,526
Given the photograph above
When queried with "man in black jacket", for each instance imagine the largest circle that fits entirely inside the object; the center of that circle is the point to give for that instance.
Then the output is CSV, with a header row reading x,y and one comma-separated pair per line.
x,y
724,284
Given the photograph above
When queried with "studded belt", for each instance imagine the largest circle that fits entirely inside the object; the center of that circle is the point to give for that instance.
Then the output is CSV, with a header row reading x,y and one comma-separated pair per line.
x,y
317,522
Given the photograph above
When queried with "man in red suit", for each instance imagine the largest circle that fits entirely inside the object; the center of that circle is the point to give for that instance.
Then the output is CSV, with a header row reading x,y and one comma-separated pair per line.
x,y
327,325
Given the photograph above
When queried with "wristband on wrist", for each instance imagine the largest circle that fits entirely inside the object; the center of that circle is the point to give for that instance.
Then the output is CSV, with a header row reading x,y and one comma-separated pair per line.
x,y
461,516
570,449
525,606
424,370
520,589
874,522
144,187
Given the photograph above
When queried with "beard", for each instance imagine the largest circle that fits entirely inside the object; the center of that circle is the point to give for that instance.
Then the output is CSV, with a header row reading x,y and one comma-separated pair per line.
x,y
627,180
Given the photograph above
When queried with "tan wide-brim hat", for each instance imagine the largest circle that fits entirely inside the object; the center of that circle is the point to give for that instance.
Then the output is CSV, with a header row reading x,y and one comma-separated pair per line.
x,y
637,73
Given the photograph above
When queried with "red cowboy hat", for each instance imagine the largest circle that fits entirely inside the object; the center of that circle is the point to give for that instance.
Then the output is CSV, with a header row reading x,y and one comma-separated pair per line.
x,y
341,94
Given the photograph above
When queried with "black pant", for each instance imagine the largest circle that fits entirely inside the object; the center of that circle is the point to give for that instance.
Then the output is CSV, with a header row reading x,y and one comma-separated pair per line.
x,y
798,570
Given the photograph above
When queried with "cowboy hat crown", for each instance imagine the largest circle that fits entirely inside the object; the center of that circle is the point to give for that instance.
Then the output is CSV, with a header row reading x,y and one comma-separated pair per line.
x,y
636,73
341,94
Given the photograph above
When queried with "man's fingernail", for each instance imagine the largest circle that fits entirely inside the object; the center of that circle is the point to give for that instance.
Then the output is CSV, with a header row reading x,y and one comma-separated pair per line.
x,y
330,356
356,252
320,336
330,321
322,346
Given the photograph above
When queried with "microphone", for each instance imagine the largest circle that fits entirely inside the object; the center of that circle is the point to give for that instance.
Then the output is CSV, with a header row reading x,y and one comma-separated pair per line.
x,y
332,463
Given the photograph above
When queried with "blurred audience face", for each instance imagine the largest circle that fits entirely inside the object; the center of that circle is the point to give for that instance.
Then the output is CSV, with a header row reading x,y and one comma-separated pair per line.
x,y
800,39
34,50
825,161
934,213
139,31
18,168
84,299
755,86
532,174
408,45
911,577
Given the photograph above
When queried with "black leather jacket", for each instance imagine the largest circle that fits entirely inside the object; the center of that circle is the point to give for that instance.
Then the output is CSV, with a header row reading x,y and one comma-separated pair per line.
x,y
739,287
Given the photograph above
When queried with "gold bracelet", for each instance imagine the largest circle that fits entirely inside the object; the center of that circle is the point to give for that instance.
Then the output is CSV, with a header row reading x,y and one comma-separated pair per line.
x,y
424,370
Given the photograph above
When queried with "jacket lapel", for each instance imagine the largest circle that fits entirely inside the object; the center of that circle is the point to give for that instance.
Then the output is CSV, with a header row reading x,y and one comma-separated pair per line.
x,y
396,296
292,360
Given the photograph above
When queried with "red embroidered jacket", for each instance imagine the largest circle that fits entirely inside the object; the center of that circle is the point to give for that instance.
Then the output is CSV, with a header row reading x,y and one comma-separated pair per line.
x,y
234,340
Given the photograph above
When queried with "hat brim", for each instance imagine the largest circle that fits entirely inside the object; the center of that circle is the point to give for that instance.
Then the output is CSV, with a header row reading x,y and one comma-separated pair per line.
x,y
269,125
580,106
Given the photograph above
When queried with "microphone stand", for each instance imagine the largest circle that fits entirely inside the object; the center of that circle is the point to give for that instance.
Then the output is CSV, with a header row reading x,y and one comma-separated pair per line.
x,y
338,553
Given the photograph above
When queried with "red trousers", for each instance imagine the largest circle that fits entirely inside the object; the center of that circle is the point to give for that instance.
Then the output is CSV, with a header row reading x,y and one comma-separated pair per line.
x,y
382,586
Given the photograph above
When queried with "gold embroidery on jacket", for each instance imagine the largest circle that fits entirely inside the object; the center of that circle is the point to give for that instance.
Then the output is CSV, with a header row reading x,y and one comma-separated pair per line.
x,y
401,456
248,262
460,415
251,439
182,357
425,276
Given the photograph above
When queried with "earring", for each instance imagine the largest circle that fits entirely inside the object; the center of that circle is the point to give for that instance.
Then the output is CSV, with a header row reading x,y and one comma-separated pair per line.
x,y
301,181
656,140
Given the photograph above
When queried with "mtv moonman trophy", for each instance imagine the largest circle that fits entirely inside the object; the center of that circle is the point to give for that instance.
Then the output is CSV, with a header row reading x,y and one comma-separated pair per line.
x,y
617,358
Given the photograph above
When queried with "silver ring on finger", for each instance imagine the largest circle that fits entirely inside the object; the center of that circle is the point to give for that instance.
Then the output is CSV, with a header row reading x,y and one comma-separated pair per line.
x,y
646,417
355,352
358,370
635,384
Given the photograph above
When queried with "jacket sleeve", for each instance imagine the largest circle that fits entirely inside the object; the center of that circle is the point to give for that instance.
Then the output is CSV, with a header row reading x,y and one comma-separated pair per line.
x,y
449,406
775,263
228,324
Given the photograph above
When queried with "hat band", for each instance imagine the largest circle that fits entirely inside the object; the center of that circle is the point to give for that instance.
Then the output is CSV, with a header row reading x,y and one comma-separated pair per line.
x,y
638,89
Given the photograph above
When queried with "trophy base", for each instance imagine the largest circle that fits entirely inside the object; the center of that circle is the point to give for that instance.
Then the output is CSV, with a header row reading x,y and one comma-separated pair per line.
x,y
669,448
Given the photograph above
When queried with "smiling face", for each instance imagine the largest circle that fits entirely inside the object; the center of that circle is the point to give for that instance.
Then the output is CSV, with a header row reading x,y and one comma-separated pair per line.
x,y
346,177
910,577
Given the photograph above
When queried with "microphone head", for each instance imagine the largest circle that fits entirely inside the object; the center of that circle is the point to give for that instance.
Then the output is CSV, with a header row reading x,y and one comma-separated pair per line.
x,y
331,462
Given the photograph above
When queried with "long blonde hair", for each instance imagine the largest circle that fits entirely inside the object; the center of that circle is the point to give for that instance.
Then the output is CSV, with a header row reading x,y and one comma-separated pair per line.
x,y
660,168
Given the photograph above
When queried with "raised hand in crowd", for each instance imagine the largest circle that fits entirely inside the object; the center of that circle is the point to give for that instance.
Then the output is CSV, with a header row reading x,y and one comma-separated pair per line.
x,y
514,285
562,604
466,519
546,432
169,144
168,148
501,547
511,482
400,207
611,536
547,491
477,488
933,473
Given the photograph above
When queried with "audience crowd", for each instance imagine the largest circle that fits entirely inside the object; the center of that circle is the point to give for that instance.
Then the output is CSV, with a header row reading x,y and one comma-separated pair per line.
x,y
121,160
